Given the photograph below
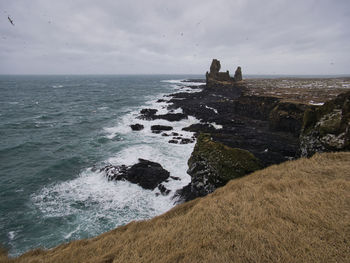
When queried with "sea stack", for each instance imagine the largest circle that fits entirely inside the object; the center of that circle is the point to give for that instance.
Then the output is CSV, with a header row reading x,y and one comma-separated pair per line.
x,y
238,74
215,74
215,77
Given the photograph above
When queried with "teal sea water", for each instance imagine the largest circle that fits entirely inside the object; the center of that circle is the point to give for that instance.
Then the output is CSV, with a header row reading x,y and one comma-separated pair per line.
x,y
54,130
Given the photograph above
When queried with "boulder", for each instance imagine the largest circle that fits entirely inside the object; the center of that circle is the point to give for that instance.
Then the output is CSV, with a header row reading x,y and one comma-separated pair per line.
x,y
150,114
145,173
212,165
160,128
136,127
171,116
147,114
186,141
327,128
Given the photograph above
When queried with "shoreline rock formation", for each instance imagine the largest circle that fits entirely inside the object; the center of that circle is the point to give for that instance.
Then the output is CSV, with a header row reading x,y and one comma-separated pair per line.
x,y
215,77
327,128
212,165
269,128
149,175
257,131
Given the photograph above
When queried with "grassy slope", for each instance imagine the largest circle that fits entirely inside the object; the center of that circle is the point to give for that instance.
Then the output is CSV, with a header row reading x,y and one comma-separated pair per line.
x,y
298,211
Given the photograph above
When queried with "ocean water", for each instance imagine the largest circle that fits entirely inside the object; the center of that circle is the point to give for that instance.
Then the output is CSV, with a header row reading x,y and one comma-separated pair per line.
x,y
54,132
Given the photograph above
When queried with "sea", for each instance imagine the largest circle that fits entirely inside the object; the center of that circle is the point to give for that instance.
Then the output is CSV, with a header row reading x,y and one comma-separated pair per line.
x,y
56,132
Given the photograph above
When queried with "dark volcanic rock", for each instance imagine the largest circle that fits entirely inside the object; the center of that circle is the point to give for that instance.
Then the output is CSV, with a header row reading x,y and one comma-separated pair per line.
x,y
246,122
163,190
327,128
194,80
171,116
238,74
186,141
215,74
173,141
145,173
287,117
160,128
150,114
161,100
136,127
175,178
147,114
200,127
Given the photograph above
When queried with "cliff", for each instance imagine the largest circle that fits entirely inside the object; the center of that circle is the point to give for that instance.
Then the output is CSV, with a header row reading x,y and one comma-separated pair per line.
x,y
213,164
297,211
327,128
271,128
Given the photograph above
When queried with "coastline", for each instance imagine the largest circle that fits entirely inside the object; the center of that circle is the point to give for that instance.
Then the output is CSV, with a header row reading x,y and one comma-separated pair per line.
x,y
206,106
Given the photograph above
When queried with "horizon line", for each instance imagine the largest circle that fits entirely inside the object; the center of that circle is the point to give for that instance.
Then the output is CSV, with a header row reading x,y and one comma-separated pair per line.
x,y
152,74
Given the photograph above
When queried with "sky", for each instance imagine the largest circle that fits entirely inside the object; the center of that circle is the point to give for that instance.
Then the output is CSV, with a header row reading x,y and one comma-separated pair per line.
x,y
174,37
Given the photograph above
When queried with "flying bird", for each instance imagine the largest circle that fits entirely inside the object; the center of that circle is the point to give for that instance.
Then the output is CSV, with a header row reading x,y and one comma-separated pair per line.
x,y
11,21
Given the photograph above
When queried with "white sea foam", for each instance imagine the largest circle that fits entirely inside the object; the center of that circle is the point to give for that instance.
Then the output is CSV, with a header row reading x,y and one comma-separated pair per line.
x,y
210,108
11,235
182,82
69,235
174,81
316,103
57,86
90,198
216,126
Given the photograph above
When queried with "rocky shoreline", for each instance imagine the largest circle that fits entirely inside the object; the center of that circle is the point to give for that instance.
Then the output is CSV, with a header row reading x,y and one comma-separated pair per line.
x,y
241,131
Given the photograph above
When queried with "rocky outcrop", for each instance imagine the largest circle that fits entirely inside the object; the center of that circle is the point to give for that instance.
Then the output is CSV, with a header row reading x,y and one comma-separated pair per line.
x,y
327,128
146,174
212,165
147,114
160,128
150,114
171,117
244,122
287,117
136,127
215,74
238,74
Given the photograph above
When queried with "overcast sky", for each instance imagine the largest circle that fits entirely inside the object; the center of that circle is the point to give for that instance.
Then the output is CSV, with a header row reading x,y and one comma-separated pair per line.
x,y
159,36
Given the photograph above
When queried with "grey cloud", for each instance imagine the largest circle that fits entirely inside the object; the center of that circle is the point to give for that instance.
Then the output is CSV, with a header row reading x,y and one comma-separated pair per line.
x,y
83,37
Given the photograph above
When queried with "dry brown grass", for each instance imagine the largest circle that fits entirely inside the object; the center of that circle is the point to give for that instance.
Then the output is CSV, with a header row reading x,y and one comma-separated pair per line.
x,y
298,211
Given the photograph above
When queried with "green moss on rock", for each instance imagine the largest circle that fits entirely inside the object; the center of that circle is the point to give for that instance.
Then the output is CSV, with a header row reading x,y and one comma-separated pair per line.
x,y
214,163
327,128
